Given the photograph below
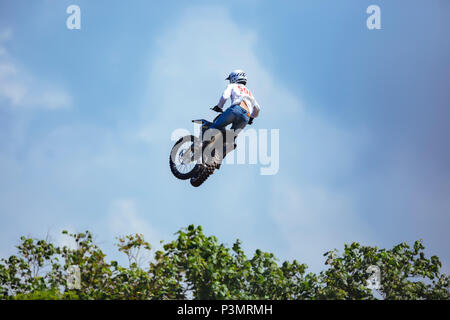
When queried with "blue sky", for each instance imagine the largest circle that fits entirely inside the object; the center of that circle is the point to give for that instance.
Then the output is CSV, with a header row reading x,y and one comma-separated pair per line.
x,y
86,118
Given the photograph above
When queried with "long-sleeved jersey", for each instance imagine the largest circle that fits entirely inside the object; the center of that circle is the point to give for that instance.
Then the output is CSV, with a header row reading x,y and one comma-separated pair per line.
x,y
238,93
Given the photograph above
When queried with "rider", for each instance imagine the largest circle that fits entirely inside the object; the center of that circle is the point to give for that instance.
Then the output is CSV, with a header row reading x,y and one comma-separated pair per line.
x,y
244,107
242,111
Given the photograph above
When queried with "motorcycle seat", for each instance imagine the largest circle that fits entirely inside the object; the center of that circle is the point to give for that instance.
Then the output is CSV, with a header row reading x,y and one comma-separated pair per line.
x,y
203,122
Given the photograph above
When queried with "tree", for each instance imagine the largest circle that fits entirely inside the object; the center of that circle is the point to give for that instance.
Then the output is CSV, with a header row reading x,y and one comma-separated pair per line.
x,y
196,266
404,273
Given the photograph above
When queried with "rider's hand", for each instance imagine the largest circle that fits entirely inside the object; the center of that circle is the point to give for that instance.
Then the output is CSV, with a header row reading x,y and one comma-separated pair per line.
x,y
217,109
250,121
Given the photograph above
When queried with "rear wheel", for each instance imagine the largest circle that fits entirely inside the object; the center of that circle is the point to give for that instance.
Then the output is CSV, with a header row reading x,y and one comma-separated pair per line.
x,y
204,171
184,157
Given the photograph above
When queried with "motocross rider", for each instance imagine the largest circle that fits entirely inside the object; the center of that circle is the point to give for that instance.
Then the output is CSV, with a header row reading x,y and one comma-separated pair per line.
x,y
242,111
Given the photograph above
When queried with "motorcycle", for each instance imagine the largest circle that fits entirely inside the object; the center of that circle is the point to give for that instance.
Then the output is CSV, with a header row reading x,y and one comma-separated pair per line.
x,y
197,158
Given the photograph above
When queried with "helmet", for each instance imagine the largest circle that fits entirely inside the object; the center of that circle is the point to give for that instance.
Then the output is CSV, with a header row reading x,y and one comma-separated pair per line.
x,y
237,76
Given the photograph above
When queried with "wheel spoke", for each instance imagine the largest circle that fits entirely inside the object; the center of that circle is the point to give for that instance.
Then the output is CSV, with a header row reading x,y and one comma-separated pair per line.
x,y
184,161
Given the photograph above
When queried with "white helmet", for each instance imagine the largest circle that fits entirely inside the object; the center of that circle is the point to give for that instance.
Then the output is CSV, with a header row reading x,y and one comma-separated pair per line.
x,y
237,76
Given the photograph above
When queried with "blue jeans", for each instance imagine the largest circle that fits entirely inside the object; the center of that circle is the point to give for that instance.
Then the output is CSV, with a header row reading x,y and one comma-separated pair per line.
x,y
235,115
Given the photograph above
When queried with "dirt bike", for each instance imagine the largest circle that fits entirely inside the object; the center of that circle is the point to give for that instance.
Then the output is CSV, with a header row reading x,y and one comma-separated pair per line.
x,y
196,158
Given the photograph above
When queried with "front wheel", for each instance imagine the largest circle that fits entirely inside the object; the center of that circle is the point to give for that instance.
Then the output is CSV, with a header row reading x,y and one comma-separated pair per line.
x,y
184,157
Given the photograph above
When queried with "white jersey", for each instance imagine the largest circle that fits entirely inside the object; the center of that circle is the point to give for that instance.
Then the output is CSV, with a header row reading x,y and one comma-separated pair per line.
x,y
238,93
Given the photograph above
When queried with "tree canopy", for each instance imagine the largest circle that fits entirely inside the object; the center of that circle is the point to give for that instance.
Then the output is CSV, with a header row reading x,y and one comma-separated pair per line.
x,y
196,266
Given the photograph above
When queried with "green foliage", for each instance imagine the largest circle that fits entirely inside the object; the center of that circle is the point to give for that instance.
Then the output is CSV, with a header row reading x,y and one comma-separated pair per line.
x,y
196,266
402,270
39,295
205,269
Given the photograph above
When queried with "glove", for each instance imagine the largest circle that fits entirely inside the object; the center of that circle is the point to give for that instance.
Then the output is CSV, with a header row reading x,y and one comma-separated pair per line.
x,y
250,121
217,109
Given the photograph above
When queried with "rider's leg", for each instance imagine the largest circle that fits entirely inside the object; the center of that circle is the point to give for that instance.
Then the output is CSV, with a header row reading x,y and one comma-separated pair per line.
x,y
240,120
227,117
208,149
224,119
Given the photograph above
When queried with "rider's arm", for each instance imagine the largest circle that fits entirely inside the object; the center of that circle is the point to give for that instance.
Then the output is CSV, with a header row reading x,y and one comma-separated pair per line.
x,y
226,94
256,110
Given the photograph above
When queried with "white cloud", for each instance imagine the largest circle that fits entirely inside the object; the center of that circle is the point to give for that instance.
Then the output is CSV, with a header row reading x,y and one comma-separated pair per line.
x,y
192,59
124,219
63,240
20,88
